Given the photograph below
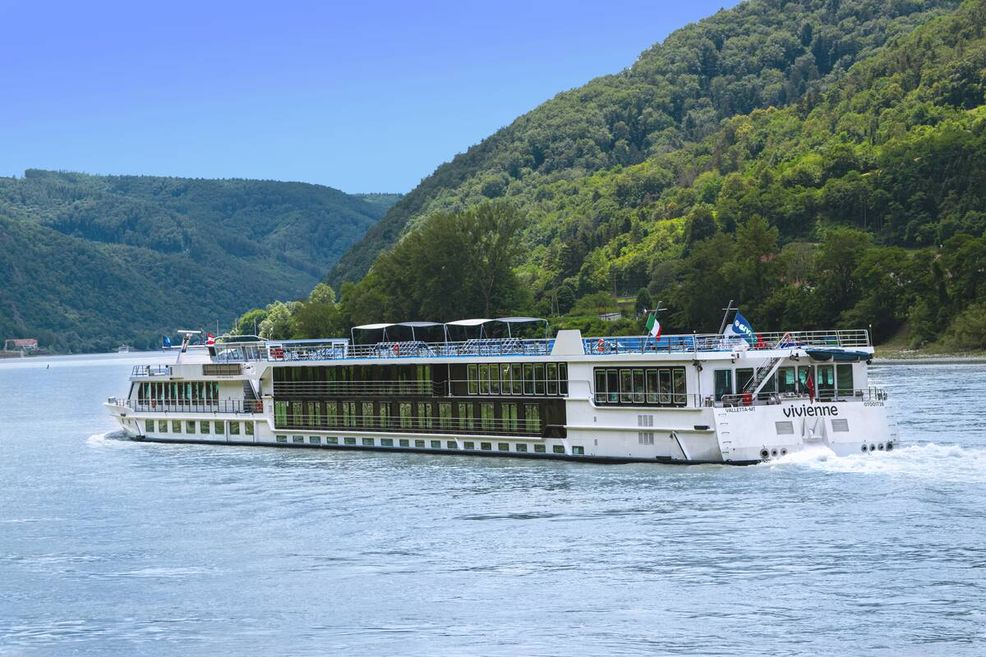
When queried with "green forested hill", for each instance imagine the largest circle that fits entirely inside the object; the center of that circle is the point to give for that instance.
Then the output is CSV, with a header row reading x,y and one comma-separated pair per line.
x,y
823,162
88,262
759,54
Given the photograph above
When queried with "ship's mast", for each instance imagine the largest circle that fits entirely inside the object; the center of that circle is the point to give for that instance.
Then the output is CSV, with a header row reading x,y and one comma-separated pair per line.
x,y
725,317
186,335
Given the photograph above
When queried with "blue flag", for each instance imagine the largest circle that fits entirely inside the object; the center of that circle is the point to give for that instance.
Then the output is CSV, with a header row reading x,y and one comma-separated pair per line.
x,y
741,327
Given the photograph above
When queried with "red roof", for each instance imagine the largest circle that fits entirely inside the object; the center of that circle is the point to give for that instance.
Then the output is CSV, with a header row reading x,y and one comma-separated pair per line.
x,y
21,343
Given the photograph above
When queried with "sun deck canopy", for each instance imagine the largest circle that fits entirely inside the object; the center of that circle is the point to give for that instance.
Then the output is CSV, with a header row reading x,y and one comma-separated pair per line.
x,y
508,321
386,325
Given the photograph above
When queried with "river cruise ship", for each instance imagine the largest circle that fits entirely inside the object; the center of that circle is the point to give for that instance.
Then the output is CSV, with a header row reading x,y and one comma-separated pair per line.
x,y
694,398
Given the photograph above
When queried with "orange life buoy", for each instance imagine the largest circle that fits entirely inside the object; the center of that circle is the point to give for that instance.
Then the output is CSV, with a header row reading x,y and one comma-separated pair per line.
x,y
397,349
600,345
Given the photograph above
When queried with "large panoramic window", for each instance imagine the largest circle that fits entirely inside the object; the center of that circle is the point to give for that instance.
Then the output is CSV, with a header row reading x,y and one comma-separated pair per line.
x,y
467,419
445,415
487,416
385,415
509,415
532,418
424,415
628,386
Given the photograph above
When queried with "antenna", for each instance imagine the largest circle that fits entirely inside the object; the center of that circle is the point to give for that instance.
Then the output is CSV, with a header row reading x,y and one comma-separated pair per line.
x,y
728,309
186,335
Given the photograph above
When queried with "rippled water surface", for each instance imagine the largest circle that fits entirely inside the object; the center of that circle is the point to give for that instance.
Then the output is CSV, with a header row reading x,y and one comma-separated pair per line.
x,y
116,548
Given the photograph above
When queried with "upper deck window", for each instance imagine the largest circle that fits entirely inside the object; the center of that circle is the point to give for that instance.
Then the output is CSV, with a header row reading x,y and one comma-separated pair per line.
x,y
632,386
509,379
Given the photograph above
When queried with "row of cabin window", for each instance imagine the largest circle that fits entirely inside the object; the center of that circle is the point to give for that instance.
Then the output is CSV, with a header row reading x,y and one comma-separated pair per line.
x,y
194,392
830,380
460,416
202,427
657,386
522,448
353,374
537,379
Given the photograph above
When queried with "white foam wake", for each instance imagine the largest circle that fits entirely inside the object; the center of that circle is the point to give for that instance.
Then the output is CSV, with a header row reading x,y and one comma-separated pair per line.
x,y
111,439
929,461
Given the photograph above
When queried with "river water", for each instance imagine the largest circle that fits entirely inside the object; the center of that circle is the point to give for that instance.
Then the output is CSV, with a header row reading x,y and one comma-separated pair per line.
x,y
115,548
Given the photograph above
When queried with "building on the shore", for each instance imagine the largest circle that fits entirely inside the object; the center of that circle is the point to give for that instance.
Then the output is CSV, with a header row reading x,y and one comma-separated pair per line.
x,y
24,345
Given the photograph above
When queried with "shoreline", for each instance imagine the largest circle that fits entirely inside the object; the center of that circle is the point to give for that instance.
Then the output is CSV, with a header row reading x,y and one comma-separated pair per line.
x,y
929,359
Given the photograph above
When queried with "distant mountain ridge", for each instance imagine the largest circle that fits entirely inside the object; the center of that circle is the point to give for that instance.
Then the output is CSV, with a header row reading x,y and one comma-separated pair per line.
x,y
91,261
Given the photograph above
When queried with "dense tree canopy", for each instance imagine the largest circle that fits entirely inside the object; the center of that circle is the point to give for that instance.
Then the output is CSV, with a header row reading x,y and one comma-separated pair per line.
x,y
821,162
759,54
457,264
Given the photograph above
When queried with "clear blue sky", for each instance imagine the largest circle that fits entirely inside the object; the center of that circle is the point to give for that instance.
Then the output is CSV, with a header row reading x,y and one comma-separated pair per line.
x,y
359,95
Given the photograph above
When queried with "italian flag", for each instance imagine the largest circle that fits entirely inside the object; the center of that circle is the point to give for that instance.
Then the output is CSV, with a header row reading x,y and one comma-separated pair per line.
x,y
653,326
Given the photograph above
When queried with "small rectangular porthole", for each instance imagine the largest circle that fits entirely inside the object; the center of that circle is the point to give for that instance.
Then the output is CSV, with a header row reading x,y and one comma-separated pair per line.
x,y
784,428
840,424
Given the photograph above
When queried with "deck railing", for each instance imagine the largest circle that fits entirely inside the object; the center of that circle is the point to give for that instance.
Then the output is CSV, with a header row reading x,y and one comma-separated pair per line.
x,y
822,397
294,389
223,406
704,342
151,370
694,343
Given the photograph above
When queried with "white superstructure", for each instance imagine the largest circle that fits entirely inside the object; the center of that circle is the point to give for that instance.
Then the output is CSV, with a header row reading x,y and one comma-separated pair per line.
x,y
674,399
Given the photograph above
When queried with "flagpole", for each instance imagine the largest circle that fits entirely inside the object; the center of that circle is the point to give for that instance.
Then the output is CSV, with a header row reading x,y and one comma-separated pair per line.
x,y
657,309
729,308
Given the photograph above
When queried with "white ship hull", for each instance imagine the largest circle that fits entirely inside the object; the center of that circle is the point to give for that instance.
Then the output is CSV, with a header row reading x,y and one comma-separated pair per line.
x,y
695,424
